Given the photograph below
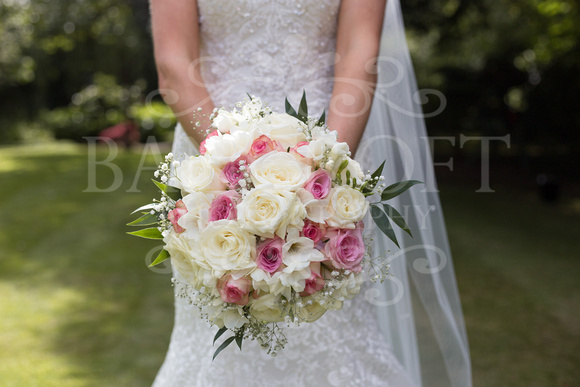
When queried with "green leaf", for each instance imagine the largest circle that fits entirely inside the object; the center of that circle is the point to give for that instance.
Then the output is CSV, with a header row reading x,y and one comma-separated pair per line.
x,y
397,218
382,221
222,347
172,192
365,189
240,338
379,170
398,188
341,167
145,220
290,110
219,333
145,207
148,233
347,177
163,255
303,108
322,120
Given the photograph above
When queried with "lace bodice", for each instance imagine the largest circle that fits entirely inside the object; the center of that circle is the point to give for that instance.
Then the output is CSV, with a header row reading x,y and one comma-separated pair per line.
x,y
274,49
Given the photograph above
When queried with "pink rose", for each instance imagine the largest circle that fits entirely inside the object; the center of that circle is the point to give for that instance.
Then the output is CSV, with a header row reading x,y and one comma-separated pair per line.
x,y
175,214
234,291
269,255
295,151
319,184
263,145
314,231
202,149
224,206
233,172
315,282
346,248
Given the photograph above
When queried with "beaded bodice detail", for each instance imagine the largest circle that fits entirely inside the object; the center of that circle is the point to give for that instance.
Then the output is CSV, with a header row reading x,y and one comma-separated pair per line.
x,y
269,48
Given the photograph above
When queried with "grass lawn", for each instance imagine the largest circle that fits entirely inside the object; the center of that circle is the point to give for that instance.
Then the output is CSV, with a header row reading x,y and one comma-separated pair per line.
x,y
80,307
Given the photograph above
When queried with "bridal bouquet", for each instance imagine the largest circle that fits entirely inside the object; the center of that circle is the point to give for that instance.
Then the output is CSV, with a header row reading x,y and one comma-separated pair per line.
x,y
265,225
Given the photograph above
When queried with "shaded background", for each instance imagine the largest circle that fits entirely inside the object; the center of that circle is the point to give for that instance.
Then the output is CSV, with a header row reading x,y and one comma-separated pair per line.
x,y
80,308
70,68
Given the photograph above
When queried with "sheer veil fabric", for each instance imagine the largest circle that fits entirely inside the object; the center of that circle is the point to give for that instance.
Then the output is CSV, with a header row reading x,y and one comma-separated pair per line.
x,y
417,309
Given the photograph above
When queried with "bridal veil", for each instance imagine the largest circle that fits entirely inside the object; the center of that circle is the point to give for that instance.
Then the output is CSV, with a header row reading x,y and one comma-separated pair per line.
x,y
418,306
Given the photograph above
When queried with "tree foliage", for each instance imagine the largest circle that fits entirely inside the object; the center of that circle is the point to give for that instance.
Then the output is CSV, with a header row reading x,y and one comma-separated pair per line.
x,y
505,67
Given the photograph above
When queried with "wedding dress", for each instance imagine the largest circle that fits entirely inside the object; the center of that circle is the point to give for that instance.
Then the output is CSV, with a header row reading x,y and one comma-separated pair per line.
x,y
274,49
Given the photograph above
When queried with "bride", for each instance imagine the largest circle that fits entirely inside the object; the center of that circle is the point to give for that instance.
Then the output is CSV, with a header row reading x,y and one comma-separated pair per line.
x,y
407,331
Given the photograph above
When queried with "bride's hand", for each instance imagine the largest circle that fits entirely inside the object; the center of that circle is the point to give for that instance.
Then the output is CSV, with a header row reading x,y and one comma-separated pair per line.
x,y
176,42
357,47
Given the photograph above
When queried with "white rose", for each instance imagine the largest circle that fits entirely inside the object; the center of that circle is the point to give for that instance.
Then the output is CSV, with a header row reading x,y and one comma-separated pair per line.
x,y
347,206
226,121
266,211
285,129
267,308
197,216
226,148
354,169
224,246
280,169
197,174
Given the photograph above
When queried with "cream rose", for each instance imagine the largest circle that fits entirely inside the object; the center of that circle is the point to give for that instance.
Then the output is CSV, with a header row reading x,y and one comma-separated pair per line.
x,y
285,129
280,169
346,207
179,250
267,308
197,174
266,211
224,246
226,148
312,312
183,259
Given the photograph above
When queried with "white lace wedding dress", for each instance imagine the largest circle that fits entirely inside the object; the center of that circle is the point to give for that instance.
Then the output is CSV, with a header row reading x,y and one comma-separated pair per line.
x,y
275,49
408,331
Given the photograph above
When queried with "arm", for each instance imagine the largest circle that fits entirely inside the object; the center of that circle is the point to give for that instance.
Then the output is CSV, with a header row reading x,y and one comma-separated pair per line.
x,y
357,47
176,45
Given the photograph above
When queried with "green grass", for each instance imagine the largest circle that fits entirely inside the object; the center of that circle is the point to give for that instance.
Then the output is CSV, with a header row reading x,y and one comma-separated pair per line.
x,y
518,271
79,307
